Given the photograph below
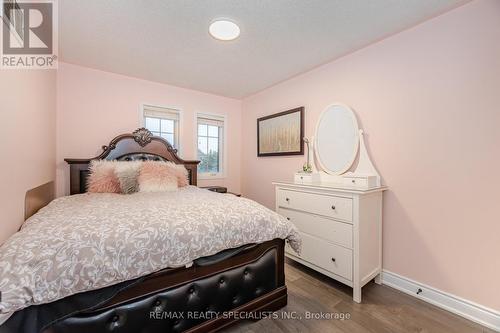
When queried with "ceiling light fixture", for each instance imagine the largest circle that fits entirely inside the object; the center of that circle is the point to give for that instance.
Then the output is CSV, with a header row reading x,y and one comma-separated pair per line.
x,y
224,30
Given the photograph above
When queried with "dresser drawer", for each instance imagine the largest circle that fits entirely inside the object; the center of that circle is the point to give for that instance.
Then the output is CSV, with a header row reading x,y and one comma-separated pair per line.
x,y
331,257
355,181
306,178
322,227
336,207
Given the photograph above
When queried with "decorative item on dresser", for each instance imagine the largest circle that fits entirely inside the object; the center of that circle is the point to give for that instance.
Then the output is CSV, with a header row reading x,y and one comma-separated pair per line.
x,y
338,212
337,145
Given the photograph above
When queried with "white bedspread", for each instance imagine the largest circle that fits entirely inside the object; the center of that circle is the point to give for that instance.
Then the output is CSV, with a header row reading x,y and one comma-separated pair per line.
x,y
89,241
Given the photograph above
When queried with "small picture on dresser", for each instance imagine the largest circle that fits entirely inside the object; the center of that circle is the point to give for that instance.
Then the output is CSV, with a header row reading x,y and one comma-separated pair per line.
x,y
281,134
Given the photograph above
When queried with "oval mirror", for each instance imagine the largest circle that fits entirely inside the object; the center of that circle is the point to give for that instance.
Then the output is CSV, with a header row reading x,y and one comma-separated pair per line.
x,y
337,139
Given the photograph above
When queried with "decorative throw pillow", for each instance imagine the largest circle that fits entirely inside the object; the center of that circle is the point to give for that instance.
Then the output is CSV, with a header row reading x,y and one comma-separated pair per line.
x,y
102,178
180,172
157,177
128,173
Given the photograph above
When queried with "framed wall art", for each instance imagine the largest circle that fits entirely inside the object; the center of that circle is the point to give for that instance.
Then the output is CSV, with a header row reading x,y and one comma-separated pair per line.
x,y
281,134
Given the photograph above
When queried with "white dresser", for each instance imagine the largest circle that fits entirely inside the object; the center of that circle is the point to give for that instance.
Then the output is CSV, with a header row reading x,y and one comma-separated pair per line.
x,y
341,229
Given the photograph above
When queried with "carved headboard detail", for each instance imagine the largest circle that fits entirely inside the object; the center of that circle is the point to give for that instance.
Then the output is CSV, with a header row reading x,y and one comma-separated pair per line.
x,y
139,145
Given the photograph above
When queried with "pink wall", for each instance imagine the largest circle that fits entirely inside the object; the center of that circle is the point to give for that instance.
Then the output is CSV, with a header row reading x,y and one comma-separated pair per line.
x,y
27,140
95,106
428,99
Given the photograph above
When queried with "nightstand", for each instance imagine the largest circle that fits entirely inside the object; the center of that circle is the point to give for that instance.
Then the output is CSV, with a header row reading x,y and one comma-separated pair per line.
x,y
219,189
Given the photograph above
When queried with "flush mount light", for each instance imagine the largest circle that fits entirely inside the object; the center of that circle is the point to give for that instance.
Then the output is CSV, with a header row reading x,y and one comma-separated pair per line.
x,y
224,30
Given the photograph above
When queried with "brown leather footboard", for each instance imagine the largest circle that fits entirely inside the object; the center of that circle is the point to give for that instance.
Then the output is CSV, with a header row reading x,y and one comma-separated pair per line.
x,y
195,299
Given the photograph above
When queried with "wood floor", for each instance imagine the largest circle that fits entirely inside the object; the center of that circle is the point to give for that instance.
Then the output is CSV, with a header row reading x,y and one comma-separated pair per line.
x,y
383,309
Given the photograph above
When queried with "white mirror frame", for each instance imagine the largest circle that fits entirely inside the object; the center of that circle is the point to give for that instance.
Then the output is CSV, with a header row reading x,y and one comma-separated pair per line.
x,y
356,147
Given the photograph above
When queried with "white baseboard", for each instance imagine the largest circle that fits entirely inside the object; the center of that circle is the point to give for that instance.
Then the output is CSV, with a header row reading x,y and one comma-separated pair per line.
x,y
464,308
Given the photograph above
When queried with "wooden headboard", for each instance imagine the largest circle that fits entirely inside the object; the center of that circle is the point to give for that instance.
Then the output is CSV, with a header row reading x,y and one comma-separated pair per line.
x,y
139,145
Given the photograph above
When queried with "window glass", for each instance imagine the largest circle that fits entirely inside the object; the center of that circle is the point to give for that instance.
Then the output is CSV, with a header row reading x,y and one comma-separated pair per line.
x,y
167,126
210,145
202,130
213,131
162,122
153,124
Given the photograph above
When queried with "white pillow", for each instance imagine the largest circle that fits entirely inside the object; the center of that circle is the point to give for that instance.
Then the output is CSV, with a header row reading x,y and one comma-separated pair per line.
x,y
157,177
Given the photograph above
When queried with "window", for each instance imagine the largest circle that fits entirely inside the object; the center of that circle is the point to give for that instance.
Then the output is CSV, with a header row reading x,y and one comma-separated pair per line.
x,y
210,145
162,122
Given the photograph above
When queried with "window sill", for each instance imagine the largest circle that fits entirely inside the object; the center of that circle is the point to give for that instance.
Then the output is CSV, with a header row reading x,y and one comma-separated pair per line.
x,y
208,176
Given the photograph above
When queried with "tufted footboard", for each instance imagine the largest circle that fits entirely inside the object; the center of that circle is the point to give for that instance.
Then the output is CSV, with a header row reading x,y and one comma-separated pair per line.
x,y
195,299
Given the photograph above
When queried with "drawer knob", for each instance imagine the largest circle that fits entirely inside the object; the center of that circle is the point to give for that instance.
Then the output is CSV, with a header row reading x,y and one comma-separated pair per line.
x,y
333,207
333,259
287,199
353,181
288,218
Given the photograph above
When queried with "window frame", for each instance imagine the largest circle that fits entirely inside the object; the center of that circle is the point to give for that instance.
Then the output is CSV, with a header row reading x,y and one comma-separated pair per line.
x,y
223,164
177,127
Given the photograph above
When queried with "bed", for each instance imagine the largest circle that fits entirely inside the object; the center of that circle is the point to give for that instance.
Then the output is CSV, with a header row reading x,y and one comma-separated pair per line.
x,y
241,281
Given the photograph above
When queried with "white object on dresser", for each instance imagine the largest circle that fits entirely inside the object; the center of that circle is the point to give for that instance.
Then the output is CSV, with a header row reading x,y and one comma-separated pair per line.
x,y
337,144
341,229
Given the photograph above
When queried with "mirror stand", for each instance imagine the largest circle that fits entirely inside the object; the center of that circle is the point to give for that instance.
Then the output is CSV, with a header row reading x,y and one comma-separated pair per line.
x,y
337,145
365,165
364,176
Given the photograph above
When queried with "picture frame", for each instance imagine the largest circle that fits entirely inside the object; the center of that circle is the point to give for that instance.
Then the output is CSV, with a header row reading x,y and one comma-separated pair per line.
x,y
281,134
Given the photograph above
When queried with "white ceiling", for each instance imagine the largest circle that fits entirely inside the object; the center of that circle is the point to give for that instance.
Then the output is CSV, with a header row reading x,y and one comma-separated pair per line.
x,y
167,40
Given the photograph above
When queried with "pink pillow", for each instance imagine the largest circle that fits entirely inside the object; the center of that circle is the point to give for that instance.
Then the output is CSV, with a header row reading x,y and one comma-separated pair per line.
x,y
157,177
102,178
